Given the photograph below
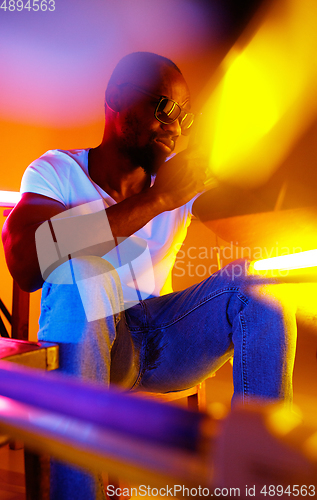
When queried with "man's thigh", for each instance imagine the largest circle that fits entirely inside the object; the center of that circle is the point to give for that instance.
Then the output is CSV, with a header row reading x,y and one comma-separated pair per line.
x,y
185,336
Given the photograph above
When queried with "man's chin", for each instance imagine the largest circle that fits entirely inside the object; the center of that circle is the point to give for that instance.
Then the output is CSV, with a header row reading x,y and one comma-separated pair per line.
x,y
152,167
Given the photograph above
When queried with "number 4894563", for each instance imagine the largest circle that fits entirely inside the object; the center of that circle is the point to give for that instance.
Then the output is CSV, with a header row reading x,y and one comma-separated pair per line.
x,y
35,5
291,491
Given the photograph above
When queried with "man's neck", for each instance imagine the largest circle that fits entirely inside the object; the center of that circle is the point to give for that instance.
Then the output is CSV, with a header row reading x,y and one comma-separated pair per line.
x,y
115,174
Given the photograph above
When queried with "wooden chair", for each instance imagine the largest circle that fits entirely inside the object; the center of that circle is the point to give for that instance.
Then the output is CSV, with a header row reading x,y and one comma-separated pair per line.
x,y
196,396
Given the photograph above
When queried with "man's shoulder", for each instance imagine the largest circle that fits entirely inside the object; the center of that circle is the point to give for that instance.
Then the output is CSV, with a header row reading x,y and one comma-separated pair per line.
x,y
56,173
63,155
60,162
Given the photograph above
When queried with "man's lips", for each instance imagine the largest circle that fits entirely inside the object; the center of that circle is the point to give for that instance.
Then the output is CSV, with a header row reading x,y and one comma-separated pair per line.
x,y
165,144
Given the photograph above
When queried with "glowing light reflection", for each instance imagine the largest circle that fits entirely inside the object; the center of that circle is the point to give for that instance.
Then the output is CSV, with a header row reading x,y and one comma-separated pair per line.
x,y
267,96
248,109
281,420
9,198
293,261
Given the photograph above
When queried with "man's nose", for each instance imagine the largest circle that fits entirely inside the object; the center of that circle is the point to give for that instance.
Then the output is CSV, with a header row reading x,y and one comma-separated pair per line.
x,y
174,128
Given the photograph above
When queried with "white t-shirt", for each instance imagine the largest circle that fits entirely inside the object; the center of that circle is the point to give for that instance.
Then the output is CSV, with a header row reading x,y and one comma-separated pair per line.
x,y
63,176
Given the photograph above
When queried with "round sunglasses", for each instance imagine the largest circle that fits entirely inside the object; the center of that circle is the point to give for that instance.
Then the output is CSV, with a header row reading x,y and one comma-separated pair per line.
x,y
167,110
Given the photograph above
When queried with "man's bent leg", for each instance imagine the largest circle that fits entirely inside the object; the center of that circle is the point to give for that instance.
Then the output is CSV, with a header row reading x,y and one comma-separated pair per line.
x,y
189,334
86,349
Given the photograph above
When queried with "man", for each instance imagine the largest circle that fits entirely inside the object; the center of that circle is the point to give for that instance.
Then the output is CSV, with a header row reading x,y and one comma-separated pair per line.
x,y
169,341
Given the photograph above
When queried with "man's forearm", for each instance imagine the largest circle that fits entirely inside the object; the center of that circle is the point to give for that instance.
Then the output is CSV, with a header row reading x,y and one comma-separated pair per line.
x,y
133,213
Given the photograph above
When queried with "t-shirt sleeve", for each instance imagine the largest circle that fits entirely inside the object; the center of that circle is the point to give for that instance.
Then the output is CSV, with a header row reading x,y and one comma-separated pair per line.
x,y
189,204
47,176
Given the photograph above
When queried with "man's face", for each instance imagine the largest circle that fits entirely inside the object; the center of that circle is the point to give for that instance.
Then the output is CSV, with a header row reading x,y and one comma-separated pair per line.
x,y
143,139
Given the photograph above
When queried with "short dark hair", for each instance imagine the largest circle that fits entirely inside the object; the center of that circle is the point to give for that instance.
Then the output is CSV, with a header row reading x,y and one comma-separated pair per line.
x,y
141,62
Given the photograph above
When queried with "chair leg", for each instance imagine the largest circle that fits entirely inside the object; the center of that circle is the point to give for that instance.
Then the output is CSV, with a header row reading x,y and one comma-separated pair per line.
x,y
192,402
37,477
197,401
113,481
202,397
20,313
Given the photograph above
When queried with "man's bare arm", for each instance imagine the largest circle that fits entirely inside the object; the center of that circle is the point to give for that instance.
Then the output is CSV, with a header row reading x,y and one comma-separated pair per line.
x,y
18,236
225,201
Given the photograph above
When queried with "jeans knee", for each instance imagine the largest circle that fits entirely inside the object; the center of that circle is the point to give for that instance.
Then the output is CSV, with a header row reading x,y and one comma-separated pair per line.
x,y
99,287
84,268
236,272
91,282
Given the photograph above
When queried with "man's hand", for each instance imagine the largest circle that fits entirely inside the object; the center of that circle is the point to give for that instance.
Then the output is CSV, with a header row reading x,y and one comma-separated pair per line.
x,y
180,179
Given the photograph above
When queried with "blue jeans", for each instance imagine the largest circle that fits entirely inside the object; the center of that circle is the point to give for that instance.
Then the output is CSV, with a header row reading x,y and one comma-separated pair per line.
x,y
172,342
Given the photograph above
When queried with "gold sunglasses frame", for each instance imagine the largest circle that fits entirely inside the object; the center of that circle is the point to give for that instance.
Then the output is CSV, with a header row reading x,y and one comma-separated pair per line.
x,y
161,98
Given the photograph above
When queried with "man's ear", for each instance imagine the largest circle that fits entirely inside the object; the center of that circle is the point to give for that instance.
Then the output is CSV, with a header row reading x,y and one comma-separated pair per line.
x,y
113,98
